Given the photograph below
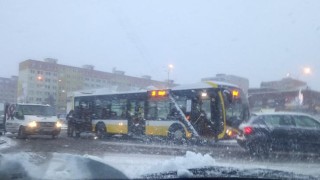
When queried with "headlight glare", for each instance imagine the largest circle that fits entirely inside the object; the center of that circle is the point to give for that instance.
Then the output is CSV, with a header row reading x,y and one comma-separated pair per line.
x,y
32,124
58,124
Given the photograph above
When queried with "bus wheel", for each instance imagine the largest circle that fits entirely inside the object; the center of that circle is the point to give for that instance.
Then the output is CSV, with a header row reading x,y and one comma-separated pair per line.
x,y
100,130
21,133
177,134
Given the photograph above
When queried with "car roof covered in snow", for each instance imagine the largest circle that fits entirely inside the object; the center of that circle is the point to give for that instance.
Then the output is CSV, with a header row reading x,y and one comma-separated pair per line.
x,y
280,113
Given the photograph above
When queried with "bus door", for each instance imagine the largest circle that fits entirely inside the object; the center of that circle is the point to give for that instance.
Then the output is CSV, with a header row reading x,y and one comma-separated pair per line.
x,y
201,115
136,121
207,114
237,110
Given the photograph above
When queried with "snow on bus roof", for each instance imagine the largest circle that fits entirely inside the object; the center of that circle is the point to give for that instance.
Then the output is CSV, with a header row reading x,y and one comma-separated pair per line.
x,y
103,91
106,91
33,104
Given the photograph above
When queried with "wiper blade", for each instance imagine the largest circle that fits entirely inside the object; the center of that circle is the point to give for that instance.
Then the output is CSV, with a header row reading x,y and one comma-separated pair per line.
x,y
229,172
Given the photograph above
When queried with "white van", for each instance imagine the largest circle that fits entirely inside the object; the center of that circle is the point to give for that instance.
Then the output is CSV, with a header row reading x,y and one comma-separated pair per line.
x,y
31,119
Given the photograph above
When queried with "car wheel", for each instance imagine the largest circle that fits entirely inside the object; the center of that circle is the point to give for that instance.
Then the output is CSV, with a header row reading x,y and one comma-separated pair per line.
x,y
21,133
100,130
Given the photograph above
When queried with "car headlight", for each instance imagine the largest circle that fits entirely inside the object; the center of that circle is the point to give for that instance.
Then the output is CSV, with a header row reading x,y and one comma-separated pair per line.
x,y
32,124
58,124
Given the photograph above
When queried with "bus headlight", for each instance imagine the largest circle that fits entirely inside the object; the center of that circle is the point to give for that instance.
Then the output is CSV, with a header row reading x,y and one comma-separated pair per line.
x,y
229,132
58,124
32,124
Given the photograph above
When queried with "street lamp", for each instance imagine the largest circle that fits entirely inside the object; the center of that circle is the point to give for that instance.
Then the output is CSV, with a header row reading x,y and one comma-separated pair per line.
x,y
170,67
39,78
307,71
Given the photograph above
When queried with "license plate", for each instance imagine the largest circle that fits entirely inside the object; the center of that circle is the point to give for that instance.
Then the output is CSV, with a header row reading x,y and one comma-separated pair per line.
x,y
46,130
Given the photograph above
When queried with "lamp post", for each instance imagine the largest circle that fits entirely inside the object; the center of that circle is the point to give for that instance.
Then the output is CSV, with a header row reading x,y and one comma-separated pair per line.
x,y
170,67
306,71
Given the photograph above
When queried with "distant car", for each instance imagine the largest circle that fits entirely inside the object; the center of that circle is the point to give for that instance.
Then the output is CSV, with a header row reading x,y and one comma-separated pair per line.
x,y
280,131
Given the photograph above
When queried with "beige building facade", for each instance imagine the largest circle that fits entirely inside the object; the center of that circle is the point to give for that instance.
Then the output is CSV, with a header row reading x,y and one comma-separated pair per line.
x,y
48,82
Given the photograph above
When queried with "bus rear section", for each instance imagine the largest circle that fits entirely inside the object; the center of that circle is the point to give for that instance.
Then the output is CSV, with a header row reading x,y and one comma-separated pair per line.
x,y
205,113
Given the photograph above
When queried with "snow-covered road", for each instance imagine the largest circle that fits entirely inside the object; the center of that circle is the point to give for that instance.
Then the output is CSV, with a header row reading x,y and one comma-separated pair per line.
x,y
63,165
46,158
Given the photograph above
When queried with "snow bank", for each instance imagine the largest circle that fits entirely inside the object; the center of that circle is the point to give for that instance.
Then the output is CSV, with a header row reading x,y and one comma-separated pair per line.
x,y
135,165
62,166
59,166
6,142
190,160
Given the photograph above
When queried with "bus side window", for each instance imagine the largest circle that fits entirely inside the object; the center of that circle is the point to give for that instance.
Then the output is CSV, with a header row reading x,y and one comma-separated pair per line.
x,y
136,112
158,110
152,111
119,109
105,113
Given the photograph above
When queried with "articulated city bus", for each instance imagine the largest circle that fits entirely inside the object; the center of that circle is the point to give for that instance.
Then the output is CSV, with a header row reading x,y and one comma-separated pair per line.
x,y
208,110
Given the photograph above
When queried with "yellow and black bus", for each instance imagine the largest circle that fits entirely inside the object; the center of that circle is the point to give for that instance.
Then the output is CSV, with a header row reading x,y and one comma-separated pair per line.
x,y
211,110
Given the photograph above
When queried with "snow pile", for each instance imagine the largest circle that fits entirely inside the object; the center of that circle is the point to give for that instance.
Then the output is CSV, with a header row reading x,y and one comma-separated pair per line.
x,y
69,166
59,166
136,165
182,164
132,165
6,142
23,162
65,165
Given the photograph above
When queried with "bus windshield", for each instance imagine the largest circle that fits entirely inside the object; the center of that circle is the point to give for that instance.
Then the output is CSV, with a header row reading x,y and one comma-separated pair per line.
x,y
237,112
36,110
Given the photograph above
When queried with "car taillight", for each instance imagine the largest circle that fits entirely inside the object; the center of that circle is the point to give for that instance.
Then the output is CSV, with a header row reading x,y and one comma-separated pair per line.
x,y
247,130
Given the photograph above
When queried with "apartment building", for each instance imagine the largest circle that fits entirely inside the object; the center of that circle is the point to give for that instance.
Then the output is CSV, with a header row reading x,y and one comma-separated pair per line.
x,y
8,89
49,82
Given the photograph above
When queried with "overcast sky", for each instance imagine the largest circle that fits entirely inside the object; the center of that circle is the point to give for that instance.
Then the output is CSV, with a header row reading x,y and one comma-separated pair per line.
x,y
260,40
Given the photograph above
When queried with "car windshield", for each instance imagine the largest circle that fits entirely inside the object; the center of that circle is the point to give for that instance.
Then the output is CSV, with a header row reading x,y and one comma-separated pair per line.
x,y
158,89
36,110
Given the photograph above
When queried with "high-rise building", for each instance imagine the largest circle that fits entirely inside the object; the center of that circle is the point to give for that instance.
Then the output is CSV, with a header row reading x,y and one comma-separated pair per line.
x,y
243,83
49,82
8,89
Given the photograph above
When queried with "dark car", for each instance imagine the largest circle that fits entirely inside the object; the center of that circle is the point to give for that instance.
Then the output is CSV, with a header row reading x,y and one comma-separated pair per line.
x,y
280,131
